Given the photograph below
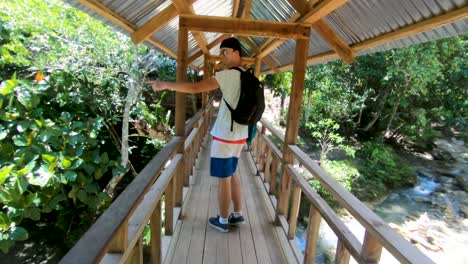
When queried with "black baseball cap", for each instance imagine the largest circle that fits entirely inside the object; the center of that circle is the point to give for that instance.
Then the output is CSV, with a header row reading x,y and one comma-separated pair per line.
x,y
232,43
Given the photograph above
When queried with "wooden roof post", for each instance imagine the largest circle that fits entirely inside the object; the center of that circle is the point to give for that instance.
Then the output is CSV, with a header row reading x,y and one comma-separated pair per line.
x,y
292,127
206,75
180,107
258,66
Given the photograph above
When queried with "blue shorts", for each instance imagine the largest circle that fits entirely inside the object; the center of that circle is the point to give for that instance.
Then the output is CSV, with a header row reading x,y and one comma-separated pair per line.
x,y
224,157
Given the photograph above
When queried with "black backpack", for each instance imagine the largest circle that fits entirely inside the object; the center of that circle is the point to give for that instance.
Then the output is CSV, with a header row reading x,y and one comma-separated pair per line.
x,y
251,102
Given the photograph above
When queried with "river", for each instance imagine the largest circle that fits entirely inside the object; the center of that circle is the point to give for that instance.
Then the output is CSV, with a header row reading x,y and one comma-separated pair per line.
x,y
434,210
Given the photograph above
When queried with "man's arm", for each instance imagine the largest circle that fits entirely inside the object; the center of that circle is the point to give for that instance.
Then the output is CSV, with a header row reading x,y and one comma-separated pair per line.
x,y
186,87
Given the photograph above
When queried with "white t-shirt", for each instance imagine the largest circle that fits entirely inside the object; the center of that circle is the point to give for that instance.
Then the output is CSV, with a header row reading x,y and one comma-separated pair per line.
x,y
229,83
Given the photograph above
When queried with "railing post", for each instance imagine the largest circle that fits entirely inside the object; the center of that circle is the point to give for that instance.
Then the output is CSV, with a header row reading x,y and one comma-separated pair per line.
x,y
169,206
296,202
136,256
267,169
156,235
120,240
274,174
312,235
342,255
371,249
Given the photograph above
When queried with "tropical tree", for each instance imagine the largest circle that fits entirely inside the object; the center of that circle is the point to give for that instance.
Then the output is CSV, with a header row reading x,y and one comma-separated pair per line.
x,y
62,100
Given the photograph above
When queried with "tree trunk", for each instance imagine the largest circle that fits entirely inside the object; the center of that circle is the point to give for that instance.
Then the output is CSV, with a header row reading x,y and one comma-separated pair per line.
x,y
395,108
132,92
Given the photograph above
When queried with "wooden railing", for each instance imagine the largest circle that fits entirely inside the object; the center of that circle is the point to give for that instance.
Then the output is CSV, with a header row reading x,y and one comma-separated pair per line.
x,y
116,237
269,162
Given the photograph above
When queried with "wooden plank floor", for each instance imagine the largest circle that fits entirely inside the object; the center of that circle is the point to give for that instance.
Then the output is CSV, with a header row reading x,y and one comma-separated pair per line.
x,y
257,241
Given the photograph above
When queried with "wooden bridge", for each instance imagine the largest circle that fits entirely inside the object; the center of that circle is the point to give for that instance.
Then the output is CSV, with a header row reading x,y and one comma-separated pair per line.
x,y
175,196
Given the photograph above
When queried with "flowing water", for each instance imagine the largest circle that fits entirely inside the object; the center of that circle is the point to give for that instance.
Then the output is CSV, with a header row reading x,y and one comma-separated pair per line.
x,y
401,206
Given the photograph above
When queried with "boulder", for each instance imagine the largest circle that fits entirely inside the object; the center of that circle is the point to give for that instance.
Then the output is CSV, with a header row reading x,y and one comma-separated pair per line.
x,y
462,181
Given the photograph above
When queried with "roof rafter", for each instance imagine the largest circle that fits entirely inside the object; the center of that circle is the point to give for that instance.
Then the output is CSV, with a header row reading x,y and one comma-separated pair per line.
x,y
246,10
156,23
315,16
185,8
421,26
115,18
235,8
255,48
215,42
321,26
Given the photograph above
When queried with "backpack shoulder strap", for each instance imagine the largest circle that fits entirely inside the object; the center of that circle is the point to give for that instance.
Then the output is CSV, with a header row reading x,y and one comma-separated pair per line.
x,y
237,68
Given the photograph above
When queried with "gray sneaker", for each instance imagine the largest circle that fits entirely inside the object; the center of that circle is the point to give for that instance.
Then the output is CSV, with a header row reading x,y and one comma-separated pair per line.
x,y
232,220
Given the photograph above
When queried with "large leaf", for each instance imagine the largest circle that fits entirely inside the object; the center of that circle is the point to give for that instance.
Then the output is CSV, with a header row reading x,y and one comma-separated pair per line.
x,y
18,233
4,172
66,163
22,184
49,159
3,133
70,176
27,169
20,140
41,177
4,221
33,213
5,196
24,97
7,87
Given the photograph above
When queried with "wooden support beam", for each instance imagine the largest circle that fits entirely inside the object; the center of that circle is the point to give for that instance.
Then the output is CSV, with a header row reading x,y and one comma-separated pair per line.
x,y
180,110
235,8
245,27
210,46
185,8
324,8
335,41
258,67
247,8
155,23
292,127
314,16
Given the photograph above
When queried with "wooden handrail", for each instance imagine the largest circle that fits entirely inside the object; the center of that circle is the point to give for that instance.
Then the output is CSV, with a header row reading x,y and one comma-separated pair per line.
x,y
342,231
378,233
272,129
94,243
389,238
116,235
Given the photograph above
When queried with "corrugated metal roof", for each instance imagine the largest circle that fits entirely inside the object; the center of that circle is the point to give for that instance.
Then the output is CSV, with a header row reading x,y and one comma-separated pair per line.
x,y
355,22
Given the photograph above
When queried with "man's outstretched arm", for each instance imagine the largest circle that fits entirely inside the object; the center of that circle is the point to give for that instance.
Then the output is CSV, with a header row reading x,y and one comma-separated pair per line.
x,y
186,87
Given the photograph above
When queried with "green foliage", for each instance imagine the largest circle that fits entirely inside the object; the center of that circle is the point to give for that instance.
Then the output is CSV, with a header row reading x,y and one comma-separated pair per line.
x,y
343,171
51,159
325,131
381,170
66,79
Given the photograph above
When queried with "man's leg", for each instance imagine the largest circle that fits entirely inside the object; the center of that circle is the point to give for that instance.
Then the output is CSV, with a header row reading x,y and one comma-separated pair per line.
x,y
224,196
236,192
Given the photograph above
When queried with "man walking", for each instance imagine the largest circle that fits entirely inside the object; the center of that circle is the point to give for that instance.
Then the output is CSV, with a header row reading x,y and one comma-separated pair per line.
x,y
228,140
